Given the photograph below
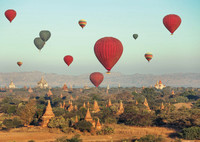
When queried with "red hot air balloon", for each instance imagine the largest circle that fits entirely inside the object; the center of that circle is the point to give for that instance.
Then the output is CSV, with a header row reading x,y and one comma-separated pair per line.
x,y
68,59
96,78
10,14
19,63
172,22
108,50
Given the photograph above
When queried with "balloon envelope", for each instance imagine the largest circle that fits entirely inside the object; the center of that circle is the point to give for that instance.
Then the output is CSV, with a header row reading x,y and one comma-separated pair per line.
x,y
96,78
45,35
135,36
19,63
39,43
108,51
82,23
148,56
68,59
10,14
172,22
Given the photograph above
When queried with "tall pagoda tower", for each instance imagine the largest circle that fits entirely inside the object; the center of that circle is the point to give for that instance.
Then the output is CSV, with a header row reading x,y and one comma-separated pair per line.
x,y
121,109
88,118
146,104
109,103
47,115
96,107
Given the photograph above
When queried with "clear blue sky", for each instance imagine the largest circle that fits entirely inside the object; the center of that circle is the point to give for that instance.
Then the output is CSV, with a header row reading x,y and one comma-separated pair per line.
x,y
116,18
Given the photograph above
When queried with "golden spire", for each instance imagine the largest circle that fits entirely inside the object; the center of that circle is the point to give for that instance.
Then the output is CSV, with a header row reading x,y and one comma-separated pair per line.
x,y
88,116
30,90
109,103
76,119
84,105
173,92
49,93
136,102
98,125
96,107
121,109
162,106
75,108
61,96
146,104
88,104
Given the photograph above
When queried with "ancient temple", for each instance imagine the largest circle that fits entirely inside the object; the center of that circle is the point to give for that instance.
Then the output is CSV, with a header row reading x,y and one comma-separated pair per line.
x,y
71,98
121,109
47,115
109,103
65,88
88,104
75,108
76,119
89,118
86,87
162,106
159,85
146,104
136,102
70,107
30,90
98,125
61,96
95,107
173,92
49,93
11,85
84,105
42,84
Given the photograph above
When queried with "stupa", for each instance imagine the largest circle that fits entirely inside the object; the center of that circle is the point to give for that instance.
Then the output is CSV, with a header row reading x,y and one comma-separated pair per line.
x,y
162,106
47,115
84,105
98,125
76,119
89,118
49,93
70,107
65,88
30,90
146,104
121,109
95,107
173,92
88,104
75,108
136,102
109,103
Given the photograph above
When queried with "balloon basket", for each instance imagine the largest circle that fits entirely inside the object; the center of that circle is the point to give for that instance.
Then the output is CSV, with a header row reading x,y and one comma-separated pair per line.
x,y
108,72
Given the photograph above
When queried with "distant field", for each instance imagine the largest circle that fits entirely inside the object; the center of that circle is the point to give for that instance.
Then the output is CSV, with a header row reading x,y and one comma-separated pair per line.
x,y
47,135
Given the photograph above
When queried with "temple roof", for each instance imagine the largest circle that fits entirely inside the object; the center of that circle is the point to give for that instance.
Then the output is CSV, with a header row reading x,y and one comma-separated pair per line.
x,y
42,81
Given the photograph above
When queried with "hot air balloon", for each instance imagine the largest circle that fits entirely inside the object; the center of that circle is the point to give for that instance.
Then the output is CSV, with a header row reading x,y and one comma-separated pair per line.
x,y
39,43
45,35
82,23
68,59
10,14
135,36
172,22
19,63
108,50
148,56
96,78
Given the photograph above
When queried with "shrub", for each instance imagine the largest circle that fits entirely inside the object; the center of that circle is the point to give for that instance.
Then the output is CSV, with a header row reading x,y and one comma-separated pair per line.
x,y
150,138
105,131
83,126
192,133
12,123
58,122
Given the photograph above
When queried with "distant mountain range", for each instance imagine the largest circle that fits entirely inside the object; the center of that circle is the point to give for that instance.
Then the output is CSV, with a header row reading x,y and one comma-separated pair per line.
x,y
114,79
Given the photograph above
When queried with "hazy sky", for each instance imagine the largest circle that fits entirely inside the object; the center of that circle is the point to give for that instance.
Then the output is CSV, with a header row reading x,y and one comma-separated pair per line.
x,y
116,18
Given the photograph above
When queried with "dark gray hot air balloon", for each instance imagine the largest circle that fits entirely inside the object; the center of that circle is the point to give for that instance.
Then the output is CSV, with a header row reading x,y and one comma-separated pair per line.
x,y
45,35
135,36
39,43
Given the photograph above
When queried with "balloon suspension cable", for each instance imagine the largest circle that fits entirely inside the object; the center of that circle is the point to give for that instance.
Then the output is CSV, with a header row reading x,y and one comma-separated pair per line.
x,y
171,33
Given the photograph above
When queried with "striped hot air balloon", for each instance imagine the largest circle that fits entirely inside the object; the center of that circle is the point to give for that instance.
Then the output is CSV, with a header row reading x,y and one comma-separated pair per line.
x,y
148,56
82,23
19,63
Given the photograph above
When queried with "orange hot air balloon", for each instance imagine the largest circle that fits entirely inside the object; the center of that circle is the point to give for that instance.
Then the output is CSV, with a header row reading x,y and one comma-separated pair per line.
x,y
96,78
68,59
108,51
82,23
19,63
10,14
148,56
172,22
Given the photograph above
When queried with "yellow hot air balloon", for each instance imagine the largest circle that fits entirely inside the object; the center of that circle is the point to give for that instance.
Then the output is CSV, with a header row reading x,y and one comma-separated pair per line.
x,y
82,23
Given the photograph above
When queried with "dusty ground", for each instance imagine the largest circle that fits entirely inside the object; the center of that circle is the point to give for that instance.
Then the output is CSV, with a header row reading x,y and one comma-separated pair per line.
x,y
179,105
48,135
